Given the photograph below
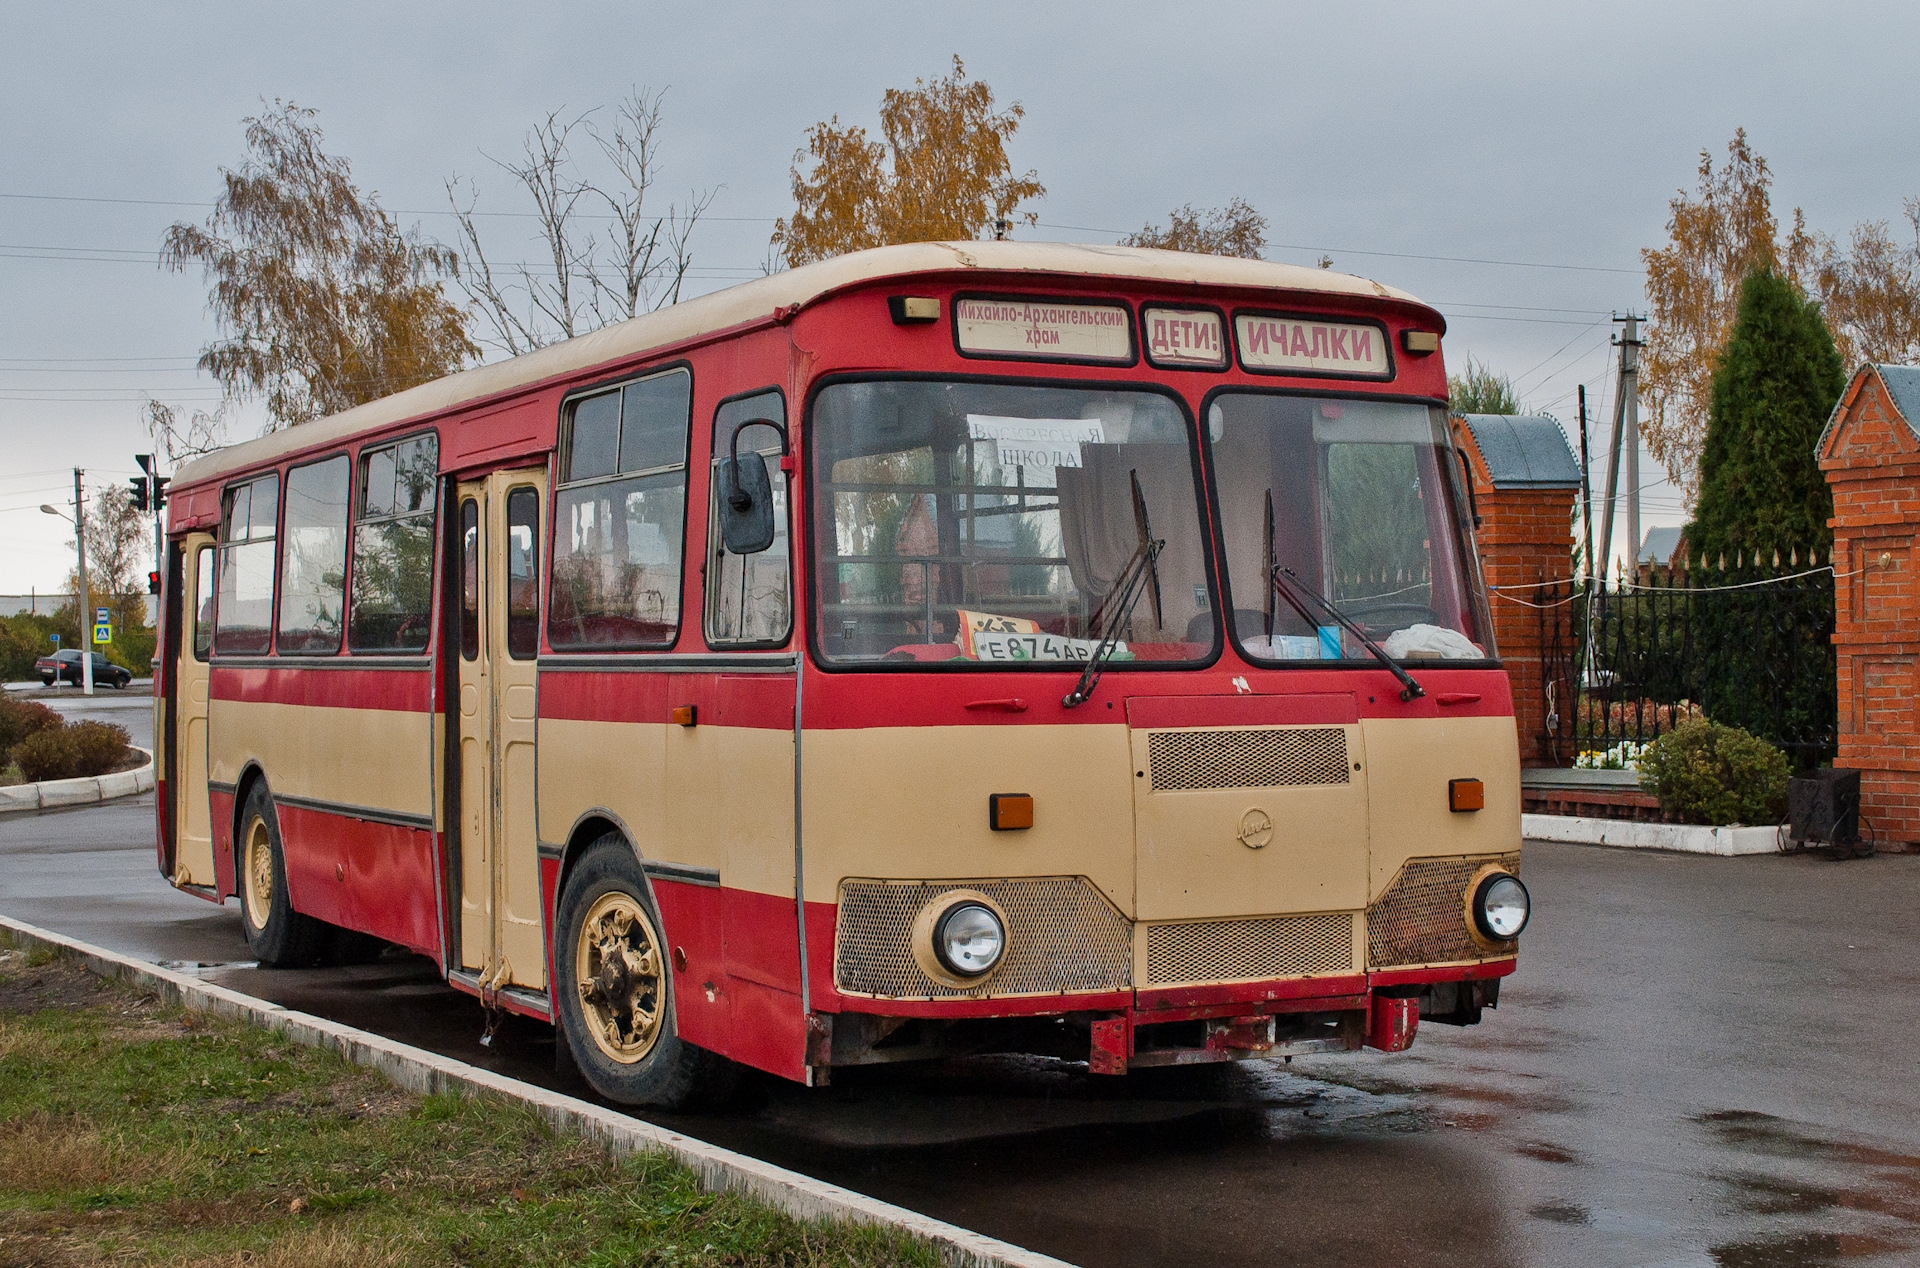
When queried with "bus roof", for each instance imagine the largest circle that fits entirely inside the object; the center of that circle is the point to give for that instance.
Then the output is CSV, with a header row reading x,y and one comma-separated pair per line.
x,y
761,299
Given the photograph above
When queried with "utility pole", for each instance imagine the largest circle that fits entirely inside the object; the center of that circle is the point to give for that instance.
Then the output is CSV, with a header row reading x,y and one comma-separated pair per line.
x,y
1586,489
83,599
1630,398
1626,436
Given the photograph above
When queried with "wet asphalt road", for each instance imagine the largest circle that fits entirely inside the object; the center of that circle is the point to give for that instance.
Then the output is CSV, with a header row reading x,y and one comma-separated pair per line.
x,y
1701,1061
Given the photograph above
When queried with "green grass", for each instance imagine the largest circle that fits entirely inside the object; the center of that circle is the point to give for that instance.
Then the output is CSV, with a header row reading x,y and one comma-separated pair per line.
x,y
134,1133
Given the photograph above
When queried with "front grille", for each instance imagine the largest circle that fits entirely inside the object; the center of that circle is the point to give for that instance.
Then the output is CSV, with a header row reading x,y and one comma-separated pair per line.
x,y
1249,950
1422,916
1273,757
1061,937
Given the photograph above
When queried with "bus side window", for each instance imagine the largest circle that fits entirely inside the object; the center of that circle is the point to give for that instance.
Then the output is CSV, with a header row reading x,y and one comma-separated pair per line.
x,y
392,584
523,574
469,580
313,559
619,518
749,597
203,617
243,622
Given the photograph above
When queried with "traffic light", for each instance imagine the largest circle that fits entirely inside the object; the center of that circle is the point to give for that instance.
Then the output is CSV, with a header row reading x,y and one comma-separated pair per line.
x,y
153,583
160,484
139,484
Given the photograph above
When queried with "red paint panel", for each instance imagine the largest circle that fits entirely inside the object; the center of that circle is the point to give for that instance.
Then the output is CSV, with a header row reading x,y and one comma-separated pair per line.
x,y
761,701
594,697
400,690
762,941
489,435
549,906
1458,973
376,878
1250,992
311,845
769,1031
161,828
702,999
220,808
845,701
1392,1023
1323,707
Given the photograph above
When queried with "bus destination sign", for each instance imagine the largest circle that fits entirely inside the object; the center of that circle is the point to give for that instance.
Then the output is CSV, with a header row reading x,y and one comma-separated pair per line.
x,y
1303,346
1043,329
1181,337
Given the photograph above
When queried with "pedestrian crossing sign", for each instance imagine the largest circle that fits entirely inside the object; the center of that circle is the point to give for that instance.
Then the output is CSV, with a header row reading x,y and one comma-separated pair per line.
x,y
103,633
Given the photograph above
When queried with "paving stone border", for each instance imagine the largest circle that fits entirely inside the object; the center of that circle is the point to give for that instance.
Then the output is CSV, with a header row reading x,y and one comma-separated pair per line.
x,y
50,794
1686,837
417,1070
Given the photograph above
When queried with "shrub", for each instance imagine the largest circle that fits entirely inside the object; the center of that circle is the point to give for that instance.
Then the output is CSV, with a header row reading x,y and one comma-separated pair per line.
x,y
70,752
1704,772
22,718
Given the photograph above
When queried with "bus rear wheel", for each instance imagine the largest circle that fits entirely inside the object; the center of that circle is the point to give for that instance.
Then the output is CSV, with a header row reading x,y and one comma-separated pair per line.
x,y
279,936
615,989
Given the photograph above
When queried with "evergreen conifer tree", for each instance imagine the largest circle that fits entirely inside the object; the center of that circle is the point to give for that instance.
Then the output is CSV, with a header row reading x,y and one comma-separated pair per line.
x,y
1761,489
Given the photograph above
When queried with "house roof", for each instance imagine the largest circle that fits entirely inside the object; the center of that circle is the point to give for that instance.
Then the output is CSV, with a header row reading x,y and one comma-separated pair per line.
x,y
784,293
1903,390
1524,451
1660,545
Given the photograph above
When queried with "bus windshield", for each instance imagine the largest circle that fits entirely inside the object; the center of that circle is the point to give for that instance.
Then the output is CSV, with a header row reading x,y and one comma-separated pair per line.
x,y
1356,502
980,525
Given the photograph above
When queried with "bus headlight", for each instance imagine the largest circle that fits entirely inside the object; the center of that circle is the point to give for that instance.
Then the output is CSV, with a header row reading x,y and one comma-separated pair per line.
x,y
969,939
1501,906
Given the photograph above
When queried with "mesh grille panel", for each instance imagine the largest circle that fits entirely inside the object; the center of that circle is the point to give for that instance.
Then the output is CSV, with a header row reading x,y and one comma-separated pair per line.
x,y
1422,918
1061,936
1264,758
1247,950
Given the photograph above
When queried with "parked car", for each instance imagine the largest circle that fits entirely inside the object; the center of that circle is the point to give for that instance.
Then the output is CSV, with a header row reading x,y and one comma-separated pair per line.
x,y
64,665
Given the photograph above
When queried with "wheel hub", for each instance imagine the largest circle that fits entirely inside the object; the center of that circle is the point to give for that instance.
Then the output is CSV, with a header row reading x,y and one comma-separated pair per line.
x,y
618,974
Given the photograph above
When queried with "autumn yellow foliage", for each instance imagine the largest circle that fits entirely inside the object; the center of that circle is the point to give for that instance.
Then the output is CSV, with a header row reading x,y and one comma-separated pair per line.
x,y
940,174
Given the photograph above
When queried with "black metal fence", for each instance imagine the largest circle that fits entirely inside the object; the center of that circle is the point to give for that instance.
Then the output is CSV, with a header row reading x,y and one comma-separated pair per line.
x,y
1748,646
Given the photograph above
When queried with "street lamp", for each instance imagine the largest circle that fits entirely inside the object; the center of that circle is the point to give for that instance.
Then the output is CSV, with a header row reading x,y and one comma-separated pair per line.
x,y
79,600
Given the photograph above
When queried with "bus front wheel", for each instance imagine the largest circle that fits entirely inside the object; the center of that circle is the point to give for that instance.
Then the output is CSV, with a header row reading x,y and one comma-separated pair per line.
x,y
615,989
279,936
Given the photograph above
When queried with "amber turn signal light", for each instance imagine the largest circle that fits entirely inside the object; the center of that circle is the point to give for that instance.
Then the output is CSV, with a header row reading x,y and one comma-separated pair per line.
x,y
1466,794
686,715
1007,812
1420,342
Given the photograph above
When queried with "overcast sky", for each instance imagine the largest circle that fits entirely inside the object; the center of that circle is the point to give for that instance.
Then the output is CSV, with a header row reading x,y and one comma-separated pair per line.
x,y
1418,144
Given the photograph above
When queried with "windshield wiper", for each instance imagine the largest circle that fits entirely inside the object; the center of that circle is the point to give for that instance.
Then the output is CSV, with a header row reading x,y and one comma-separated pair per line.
x,y
1288,583
1141,575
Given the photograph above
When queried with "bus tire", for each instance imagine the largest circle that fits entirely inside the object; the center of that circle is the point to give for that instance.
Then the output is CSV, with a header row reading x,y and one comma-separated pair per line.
x,y
614,988
279,936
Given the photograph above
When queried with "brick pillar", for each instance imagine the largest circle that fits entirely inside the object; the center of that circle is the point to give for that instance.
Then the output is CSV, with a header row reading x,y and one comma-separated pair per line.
x,y
1870,452
1525,483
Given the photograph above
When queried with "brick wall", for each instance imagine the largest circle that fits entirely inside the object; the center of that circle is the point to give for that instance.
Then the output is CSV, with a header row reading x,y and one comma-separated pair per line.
x,y
1526,540
1872,460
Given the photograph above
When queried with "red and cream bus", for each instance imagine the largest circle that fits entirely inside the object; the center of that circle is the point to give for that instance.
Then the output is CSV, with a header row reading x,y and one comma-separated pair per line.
x,y
950,648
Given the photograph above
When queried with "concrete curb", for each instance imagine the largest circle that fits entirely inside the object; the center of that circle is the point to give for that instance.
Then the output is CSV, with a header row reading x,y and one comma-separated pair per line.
x,y
51,793
719,1170
1685,837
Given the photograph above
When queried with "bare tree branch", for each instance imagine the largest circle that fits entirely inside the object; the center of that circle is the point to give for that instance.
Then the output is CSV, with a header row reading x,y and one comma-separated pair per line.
x,y
585,279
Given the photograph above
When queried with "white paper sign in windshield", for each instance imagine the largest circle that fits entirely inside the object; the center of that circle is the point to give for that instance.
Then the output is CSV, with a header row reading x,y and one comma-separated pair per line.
x,y
1183,337
1306,346
1036,442
1043,329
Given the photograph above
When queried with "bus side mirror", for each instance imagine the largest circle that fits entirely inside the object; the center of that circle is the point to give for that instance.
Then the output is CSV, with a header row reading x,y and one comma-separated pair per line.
x,y
746,502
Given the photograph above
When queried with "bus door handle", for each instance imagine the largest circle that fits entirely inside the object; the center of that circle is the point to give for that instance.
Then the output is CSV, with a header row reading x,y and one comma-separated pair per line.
x,y
1012,705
